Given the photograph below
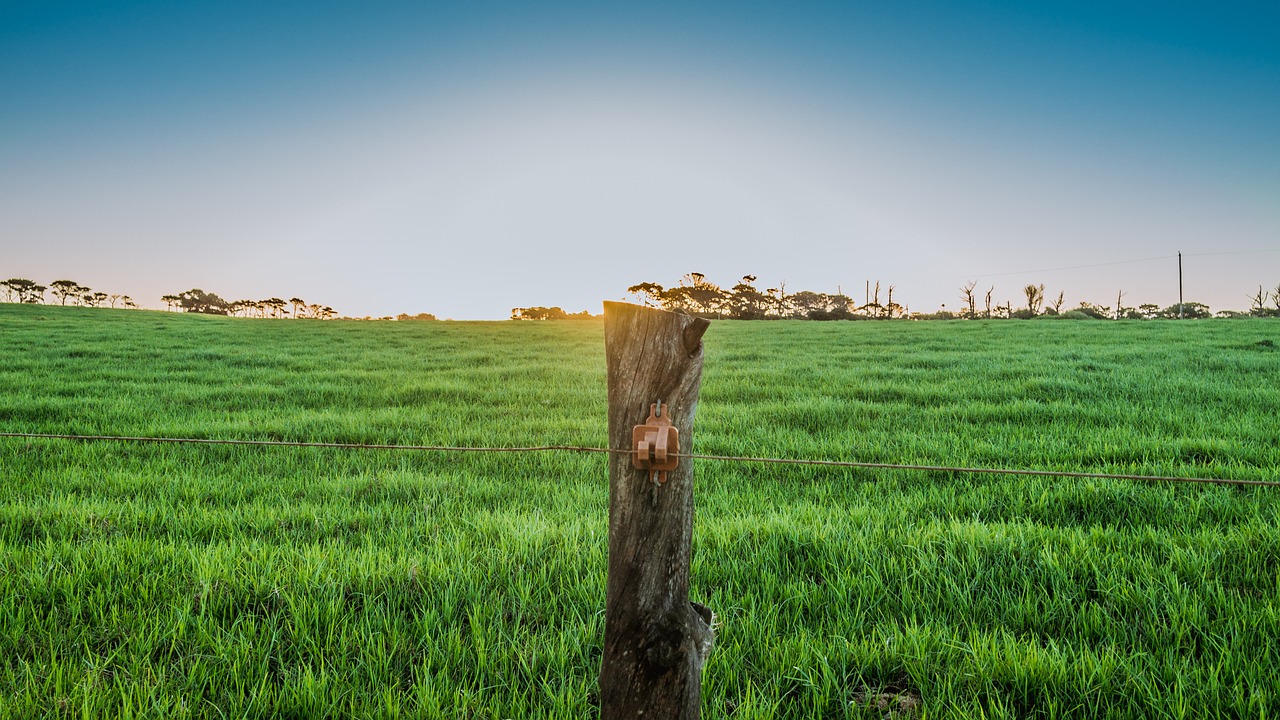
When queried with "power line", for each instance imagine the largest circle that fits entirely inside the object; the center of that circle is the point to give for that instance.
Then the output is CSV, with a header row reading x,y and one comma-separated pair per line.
x,y
1125,262
615,451
1078,267
1233,252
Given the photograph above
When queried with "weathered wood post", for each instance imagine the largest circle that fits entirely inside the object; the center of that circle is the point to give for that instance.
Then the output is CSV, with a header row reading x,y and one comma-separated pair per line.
x,y
655,640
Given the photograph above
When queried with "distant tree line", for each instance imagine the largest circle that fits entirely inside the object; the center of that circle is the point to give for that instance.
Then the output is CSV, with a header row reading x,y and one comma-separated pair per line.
x,y
547,313
695,295
207,303
64,291
70,292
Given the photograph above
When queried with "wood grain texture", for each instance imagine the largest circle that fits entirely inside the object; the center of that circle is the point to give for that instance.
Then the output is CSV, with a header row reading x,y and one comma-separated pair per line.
x,y
656,641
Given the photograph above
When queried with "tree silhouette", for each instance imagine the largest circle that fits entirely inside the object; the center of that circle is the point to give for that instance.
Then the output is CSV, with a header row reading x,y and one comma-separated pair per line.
x,y
62,289
27,291
320,312
297,302
840,306
1190,310
199,301
538,313
1098,312
746,301
779,302
805,303
702,297
275,305
1035,298
650,294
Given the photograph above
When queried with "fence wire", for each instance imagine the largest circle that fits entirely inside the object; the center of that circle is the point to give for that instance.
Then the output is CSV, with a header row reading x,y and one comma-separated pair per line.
x,y
623,451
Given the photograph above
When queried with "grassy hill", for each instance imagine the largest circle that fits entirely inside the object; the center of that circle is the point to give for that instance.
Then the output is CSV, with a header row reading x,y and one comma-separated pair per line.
x,y
218,581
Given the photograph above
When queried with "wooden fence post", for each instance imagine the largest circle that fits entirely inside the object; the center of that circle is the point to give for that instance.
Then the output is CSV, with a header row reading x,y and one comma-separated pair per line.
x,y
655,640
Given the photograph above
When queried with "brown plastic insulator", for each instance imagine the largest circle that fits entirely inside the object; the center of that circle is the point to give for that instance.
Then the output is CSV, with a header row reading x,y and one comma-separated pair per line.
x,y
656,443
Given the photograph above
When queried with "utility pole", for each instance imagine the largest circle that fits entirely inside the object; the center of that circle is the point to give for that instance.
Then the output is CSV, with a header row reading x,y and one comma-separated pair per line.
x,y
1179,285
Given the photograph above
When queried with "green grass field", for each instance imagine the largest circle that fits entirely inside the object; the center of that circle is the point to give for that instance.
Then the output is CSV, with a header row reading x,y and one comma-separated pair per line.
x,y
217,581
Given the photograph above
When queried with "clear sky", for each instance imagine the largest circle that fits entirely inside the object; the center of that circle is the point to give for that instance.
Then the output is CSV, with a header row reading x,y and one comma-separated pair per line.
x,y
466,158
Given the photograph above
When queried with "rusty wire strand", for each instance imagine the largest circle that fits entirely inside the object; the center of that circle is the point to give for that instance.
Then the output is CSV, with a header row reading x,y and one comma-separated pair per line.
x,y
293,443
616,451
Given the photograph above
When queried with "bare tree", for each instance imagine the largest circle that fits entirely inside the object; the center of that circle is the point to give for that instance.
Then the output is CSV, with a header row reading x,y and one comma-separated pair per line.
x,y
1057,304
966,294
1119,308
1258,303
990,290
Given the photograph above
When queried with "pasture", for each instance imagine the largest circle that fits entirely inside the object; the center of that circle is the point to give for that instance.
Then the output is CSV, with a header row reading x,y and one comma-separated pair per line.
x,y
216,581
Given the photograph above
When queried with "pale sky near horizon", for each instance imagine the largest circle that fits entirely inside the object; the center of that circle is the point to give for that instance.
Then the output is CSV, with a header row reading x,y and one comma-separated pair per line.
x,y
466,158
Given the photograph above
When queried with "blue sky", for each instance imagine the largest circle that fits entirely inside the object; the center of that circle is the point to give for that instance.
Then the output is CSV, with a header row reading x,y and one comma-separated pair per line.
x,y
466,158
